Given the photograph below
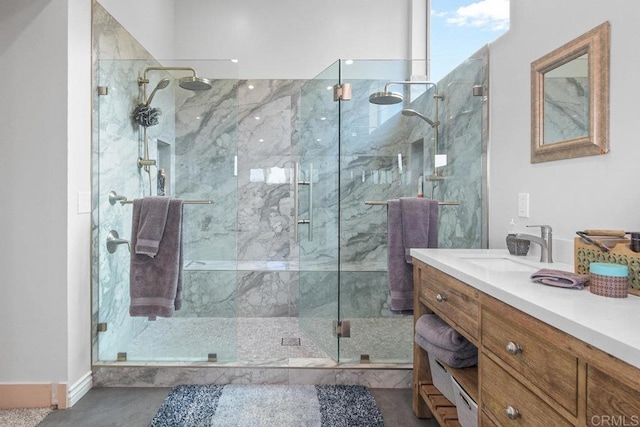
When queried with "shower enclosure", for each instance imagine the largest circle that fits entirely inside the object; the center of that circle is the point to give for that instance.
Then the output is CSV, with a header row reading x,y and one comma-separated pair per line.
x,y
287,264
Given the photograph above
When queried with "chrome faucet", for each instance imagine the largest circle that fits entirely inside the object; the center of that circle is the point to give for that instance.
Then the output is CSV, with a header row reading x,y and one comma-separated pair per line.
x,y
545,241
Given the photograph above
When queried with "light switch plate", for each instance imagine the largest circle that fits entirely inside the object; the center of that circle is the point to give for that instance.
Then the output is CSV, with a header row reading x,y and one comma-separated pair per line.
x,y
84,202
523,205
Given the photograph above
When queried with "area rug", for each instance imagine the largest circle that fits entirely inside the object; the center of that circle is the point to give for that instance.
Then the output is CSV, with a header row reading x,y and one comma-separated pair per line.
x,y
268,406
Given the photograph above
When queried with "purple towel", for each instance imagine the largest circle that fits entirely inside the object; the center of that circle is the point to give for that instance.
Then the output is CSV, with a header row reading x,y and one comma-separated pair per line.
x,y
416,233
419,224
153,217
437,332
156,283
455,359
562,279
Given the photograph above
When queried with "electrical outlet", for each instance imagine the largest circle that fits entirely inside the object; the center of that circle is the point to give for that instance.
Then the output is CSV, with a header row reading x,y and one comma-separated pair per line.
x,y
523,205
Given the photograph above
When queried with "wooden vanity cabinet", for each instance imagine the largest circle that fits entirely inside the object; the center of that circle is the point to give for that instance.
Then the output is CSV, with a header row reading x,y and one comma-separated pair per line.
x,y
610,401
530,373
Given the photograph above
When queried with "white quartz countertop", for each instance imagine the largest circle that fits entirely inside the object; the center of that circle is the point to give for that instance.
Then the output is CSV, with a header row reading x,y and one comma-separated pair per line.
x,y
610,324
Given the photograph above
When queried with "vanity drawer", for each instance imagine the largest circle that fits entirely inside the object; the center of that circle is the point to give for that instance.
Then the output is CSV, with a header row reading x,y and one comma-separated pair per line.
x,y
502,393
610,401
551,369
452,300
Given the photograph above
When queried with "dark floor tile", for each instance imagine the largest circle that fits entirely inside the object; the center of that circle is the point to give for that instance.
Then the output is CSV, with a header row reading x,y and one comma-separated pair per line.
x,y
135,407
395,405
111,407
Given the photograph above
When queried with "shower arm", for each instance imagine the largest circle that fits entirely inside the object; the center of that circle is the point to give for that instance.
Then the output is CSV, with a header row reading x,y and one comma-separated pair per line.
x,y
410,82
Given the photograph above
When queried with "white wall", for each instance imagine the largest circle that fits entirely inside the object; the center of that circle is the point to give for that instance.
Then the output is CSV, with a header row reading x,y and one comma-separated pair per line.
x,y
79,198
573,194
151,22
45,145
293,39
33,192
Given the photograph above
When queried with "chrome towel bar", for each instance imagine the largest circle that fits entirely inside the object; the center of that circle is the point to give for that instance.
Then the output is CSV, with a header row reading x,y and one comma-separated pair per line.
x,y
384,203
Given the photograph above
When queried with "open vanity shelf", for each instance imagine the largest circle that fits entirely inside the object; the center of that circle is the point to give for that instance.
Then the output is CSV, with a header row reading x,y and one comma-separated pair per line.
x,y
443,410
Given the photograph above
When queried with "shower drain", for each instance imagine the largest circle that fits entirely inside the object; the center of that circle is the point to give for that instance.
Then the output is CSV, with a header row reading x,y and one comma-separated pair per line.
x,y
290,341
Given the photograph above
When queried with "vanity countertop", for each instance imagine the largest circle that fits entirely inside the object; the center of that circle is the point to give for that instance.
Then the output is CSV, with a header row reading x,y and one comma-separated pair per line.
x,y
609,324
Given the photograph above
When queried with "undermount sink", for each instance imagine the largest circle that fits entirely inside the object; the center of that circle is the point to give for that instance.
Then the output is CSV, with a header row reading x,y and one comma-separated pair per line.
x,y
501,264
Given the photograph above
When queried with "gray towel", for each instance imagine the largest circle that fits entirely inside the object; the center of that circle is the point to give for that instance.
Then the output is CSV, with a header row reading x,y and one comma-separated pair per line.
x,y
421,232
562,279
153,217
419,224
455,359
156,283
437,332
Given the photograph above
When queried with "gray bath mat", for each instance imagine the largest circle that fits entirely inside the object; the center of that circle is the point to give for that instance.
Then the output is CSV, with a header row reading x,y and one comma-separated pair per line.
x,y
269,406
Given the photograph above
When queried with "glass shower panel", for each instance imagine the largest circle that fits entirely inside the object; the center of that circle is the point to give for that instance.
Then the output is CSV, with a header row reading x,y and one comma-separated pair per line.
x,y
318,209
194,144
376,165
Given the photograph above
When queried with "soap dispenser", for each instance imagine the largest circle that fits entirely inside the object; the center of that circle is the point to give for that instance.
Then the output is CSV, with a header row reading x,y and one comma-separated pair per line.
x,y
516,246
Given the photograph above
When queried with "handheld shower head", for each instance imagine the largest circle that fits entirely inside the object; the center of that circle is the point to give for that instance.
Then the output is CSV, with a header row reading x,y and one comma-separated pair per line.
x,y
409,113
161,85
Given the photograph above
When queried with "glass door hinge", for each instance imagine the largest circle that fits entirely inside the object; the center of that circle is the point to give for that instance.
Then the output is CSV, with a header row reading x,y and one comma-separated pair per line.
x,y
342,92
342,328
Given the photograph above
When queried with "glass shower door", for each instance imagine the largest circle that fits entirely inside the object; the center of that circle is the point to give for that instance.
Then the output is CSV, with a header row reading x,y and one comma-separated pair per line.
x,y
316,219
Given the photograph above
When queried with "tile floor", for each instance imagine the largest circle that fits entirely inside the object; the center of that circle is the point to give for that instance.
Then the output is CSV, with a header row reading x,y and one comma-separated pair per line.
x,y
135,407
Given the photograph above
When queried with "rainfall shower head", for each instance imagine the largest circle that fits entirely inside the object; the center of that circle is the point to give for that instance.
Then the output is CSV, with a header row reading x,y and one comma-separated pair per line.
x,y
195,83
161,85
385,98
409,113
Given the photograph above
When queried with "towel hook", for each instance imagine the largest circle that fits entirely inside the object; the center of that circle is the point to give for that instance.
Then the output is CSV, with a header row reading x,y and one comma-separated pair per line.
x,y
114,240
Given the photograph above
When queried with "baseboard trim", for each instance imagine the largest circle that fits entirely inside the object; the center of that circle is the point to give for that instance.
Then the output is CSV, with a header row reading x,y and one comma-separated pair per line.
x,y
39,395
79,389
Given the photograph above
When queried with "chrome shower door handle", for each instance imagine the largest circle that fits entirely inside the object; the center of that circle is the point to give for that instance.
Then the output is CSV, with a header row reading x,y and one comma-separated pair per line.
x,y
310,183
296,197
296,194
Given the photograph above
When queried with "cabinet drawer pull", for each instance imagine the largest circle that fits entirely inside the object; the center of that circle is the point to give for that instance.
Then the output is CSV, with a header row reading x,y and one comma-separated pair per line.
x,y
441,298
512,413
513,348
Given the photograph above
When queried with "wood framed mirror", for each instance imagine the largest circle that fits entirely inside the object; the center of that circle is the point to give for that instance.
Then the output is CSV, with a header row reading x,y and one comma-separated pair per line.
x,y
570,99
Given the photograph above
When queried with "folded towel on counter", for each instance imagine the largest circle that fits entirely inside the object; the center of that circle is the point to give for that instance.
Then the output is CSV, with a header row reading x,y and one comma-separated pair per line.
x,y
410,224
153,217
563,279
437,332
156,283
419,224
455,359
